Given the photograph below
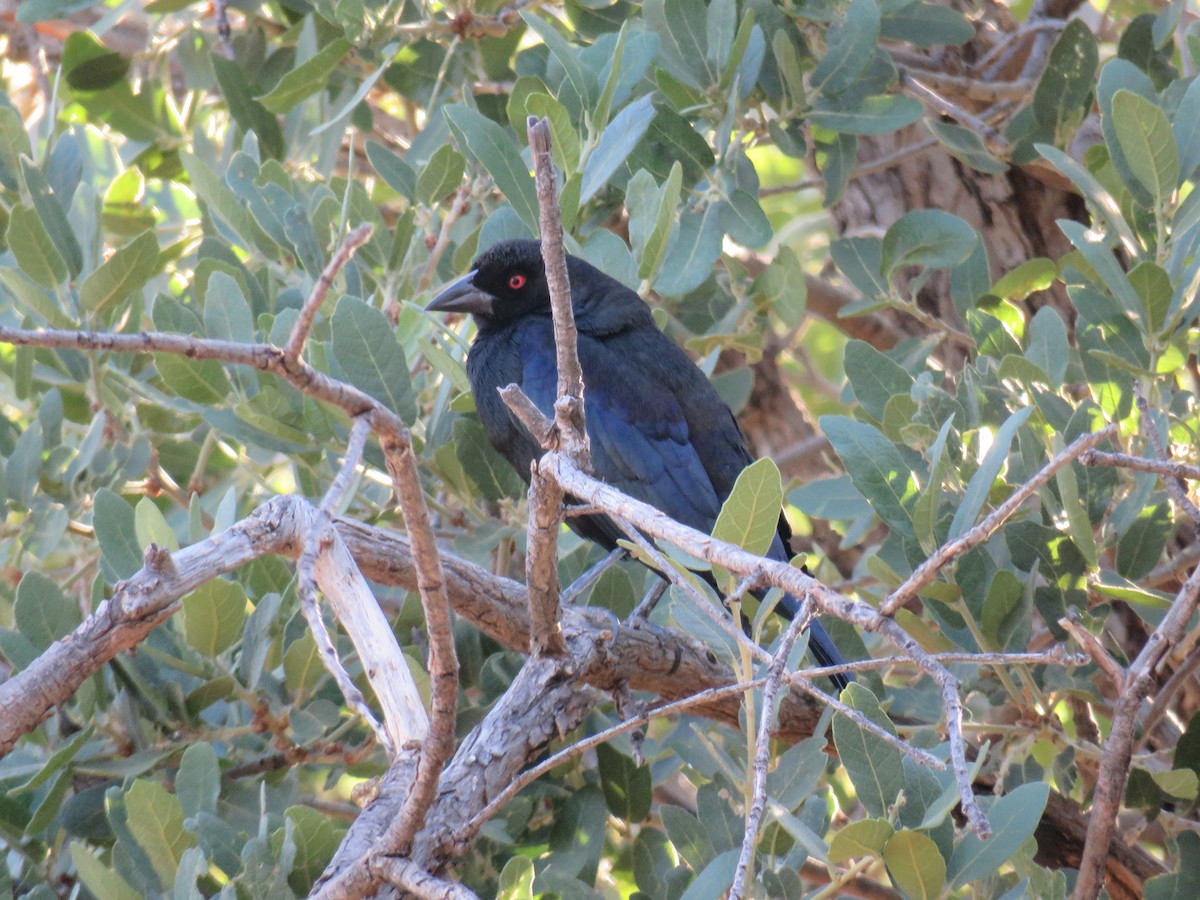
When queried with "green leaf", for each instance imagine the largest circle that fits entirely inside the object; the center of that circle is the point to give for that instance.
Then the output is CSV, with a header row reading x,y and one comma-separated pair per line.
x,y
1186,126
35,252
1013,818
690,838
980,484
306,79
1035,274
866,837
317,838
875,767
615,145
720,26
1099,199
1152,285
151,526
876,469
246,111
627,787
198,781
101,881
743,219
50,210
579,75
651,214
516,879
680,25
1099,255
391,168
880,114
966,145
227,315
849,46
497,151
1141,546
1184,883
860,259
116,532
1147,142
781,288
692,253
915,864
213,615
1063,95
125,272
156,821
202,381
221,201
492,473
42,612
1048,347
749,517
927,25
364,343
441,175
874,377
565,139
302,667
926,237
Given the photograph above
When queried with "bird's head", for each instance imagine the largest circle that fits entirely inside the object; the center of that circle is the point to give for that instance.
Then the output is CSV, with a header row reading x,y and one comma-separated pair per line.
x,y
506,281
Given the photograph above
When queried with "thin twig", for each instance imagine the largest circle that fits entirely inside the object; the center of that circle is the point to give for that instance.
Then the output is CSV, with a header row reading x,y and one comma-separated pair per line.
x,y
1175,485
1118,748
555,760
581,584
641,517
568,405
973,537
762,750
1094,649
992,139
443,661
1165,467
354,239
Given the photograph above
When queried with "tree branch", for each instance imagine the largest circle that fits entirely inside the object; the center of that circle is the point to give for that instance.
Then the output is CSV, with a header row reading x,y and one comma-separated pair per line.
x,y
976,535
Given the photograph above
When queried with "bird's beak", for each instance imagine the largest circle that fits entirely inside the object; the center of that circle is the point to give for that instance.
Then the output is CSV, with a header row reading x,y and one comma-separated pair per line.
x,y
461,296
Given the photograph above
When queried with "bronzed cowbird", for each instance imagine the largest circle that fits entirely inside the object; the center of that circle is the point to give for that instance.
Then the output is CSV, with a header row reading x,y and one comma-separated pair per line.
x,y
658,430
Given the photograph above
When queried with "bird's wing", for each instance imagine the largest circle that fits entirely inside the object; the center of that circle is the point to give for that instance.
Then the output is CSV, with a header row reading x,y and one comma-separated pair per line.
x,y
640,439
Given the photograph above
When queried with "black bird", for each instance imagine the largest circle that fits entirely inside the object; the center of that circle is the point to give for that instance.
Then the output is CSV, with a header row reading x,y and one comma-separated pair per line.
x,y
658,430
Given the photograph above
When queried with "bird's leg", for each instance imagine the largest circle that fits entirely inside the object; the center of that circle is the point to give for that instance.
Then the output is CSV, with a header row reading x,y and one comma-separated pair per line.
x,y
580,585
649,602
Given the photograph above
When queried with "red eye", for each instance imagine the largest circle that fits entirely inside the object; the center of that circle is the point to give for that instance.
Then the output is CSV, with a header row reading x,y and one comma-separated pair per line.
x,y
516,282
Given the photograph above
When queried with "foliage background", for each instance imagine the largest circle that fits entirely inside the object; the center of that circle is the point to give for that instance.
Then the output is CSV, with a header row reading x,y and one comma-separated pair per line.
x,y
729,160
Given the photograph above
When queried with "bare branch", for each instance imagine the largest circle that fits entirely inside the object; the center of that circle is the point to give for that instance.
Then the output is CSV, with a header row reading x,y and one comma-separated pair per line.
x,y
299,336
541,566
654,523
992,139
139,604
1094,649
762,750
528,414
1164,467
568,407
1118,748
555,760
1175,485
408,876
928,570
443,662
